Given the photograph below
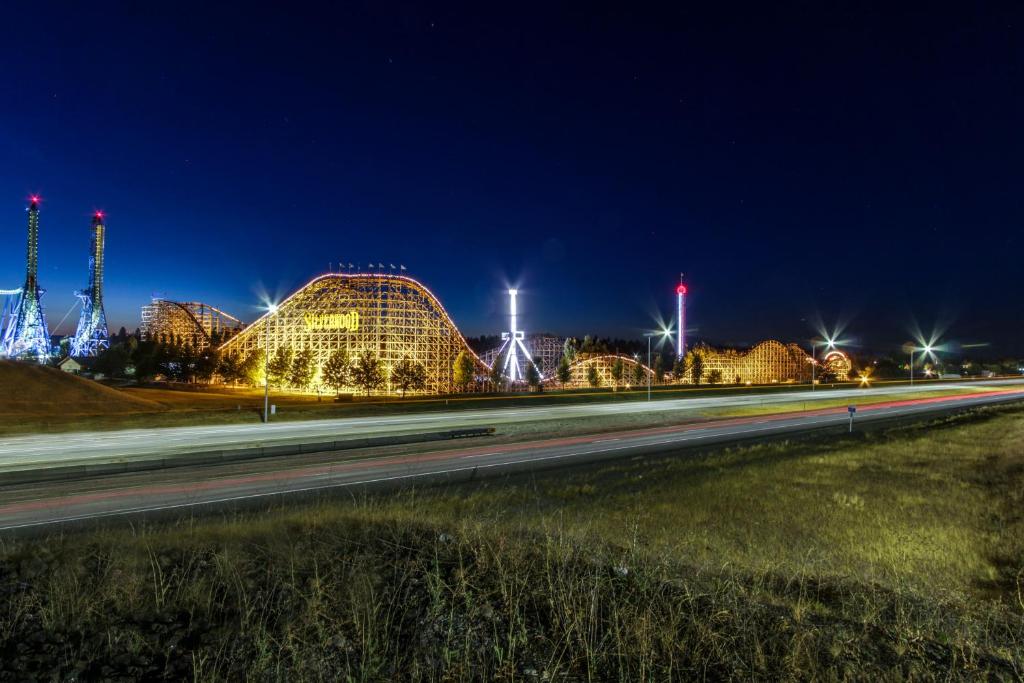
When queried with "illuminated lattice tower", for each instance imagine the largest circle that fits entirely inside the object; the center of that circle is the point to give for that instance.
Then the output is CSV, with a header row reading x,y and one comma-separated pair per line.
x,y
27,335
513,344
91,337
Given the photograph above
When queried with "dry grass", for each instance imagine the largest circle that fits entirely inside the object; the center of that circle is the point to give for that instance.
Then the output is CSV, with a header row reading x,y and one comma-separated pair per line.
x,y
895,556
29,390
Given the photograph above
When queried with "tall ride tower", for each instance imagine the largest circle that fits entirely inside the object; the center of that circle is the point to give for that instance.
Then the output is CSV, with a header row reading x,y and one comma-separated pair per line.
x,y
513,344
681,312
91,337
27,335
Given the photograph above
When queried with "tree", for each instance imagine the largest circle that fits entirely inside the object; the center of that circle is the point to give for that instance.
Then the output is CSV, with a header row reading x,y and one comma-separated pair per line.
x,y
252,367
146,361
593,377
409,375
497,376
639,374
569,349
715,377
679,370
302,371
696,367
337,371
564,371
463,371
230,368
281,366
112,361
618,370
206,364
367,371
181,363
659,368
532,376
826,373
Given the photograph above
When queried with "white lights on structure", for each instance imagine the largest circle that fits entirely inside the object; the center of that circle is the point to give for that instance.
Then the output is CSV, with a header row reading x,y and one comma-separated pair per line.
x,y
513,342
392,317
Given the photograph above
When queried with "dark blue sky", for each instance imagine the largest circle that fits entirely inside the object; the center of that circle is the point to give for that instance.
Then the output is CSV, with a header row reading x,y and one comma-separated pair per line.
x,y
795,161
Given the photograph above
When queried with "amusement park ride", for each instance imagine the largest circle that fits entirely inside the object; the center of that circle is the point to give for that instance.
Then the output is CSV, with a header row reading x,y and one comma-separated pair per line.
x,y
23,329
25,333
91,337
513,344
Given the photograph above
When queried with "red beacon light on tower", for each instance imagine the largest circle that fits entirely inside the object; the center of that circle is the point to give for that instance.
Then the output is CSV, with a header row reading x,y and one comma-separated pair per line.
x,y
681,289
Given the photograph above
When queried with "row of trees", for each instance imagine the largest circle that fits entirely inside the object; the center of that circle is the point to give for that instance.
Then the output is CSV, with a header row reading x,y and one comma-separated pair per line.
x,y
178,361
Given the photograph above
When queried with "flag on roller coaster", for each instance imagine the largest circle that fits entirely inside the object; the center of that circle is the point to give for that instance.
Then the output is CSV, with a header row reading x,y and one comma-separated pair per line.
x,y
401,266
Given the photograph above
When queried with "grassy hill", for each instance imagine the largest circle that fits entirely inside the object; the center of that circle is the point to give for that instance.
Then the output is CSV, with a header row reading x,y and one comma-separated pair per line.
x,y
888,556
28,390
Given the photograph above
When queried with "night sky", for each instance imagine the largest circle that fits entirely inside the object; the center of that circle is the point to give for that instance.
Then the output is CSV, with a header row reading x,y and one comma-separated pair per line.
x,y
797,162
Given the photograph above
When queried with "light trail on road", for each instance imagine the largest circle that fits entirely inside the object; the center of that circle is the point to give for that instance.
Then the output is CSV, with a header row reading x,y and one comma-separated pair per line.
x,y
110,446
109,497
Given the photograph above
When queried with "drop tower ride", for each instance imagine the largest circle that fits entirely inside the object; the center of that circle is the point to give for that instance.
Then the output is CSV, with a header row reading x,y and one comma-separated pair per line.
x,y
27,335
92,336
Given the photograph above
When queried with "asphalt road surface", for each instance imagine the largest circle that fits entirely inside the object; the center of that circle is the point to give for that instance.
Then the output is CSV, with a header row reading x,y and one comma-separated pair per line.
x,y
72,448
28,507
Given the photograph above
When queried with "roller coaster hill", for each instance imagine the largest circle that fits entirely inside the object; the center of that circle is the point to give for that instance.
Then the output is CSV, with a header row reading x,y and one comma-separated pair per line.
x,y
398,321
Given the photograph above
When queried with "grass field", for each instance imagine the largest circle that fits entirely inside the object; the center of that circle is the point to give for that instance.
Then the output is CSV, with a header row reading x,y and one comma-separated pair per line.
x,y
893,555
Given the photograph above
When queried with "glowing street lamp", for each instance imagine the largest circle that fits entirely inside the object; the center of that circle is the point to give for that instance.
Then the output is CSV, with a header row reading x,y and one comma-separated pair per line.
x,y
271,310
925,350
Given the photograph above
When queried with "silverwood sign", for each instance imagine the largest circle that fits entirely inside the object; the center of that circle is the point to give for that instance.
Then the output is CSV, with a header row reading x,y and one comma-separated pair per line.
x,y
347,321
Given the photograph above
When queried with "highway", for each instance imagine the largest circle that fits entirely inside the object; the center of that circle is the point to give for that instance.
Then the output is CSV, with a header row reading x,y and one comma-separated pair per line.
x,y
29,507
45,450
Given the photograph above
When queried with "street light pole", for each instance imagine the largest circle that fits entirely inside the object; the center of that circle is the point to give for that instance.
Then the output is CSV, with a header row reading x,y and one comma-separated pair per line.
x,y
271,310
649,367
911,366
813,363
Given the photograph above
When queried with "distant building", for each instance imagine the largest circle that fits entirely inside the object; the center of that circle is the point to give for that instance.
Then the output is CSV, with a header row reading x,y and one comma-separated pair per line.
x,y
79,366
71,365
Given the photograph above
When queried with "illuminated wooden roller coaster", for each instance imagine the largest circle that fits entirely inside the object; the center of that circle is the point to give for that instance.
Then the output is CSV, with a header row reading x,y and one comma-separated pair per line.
x,y
190,322
602,364
766,363
392,316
